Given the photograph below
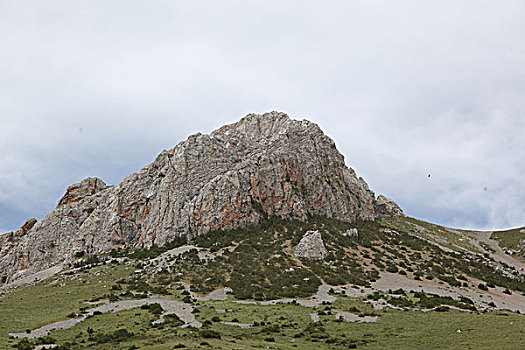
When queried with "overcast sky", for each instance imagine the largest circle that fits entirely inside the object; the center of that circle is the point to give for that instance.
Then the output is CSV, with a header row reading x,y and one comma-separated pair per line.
x,y
405,88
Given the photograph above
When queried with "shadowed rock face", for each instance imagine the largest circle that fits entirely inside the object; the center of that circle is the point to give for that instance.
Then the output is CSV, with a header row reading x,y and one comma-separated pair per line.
x,y
261,166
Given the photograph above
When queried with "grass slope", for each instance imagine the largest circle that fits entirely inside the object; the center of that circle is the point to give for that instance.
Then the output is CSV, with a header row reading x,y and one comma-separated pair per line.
x,y
258,264
511,239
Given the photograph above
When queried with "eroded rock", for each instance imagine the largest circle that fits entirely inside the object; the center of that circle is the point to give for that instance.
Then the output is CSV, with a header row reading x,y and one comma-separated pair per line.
x,y
353,232
261,166
387,208
311,246
86,187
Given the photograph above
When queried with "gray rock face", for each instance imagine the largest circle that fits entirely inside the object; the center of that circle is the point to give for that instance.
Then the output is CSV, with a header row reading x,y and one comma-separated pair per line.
x,y
311,246
262,165
87,187
387,207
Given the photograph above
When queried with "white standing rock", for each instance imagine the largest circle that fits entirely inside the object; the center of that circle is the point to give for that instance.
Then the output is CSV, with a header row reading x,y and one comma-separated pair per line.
x,y
311,246
353,232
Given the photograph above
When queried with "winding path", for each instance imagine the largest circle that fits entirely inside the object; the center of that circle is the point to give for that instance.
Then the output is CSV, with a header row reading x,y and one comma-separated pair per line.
x,y
182,310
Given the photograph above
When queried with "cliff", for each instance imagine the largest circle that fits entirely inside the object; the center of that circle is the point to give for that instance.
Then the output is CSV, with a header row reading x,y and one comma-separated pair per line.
x,y
261,166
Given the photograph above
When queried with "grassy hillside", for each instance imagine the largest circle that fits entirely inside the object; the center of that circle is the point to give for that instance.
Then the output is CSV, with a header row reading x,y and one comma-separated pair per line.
x,y
511,239
258,265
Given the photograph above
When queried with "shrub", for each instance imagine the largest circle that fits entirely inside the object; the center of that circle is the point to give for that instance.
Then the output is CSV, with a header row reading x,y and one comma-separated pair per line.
x,y
209,334
173,320
155,309
442,308
112,298
392,269
116,337
24,344
483,287
45,340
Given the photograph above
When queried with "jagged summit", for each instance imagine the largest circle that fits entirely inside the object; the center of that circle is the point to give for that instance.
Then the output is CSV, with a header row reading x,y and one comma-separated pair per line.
x,y
239,174
265,126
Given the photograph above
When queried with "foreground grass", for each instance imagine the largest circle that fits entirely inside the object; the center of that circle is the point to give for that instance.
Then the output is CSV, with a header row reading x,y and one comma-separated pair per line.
x,y
254,262
287,326
35,306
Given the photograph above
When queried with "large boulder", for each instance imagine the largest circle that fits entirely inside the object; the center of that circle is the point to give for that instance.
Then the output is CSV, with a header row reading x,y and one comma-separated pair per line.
x,y
311,246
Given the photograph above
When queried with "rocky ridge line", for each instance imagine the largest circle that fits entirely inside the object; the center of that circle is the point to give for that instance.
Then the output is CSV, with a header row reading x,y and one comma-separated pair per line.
x,y
261,166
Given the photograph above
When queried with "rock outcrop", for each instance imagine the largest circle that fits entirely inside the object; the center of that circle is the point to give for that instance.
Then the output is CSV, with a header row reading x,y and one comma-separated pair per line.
x,y
261,166
387,207
353,232
311,247
87,187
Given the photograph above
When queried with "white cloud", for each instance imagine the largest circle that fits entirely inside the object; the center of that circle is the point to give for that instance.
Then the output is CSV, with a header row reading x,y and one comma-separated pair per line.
x,y
405,88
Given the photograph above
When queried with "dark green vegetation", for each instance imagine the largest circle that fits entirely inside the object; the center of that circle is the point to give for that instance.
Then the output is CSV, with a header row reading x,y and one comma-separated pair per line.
x,y
258,264
257,270
254,271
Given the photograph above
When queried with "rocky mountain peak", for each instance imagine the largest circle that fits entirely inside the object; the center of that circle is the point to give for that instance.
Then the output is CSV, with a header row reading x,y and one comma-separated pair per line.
x,y
265,126
261,166
86,187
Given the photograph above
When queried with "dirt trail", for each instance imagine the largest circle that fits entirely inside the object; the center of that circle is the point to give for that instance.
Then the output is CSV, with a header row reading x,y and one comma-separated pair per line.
x,y
314,301
175,252
182,310
498,254
347,316
392,281
350,317
237,324
22,279
218,294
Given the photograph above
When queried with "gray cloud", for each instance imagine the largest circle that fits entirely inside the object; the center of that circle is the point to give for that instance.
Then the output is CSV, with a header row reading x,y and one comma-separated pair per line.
x,y
405,88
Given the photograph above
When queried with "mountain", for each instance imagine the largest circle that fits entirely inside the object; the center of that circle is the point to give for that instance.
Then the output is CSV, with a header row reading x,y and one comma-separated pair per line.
x,y
240,174
254,236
